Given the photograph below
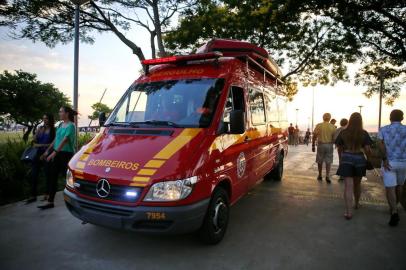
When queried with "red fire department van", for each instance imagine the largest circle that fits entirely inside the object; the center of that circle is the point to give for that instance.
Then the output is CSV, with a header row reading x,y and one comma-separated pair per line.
x,y
188,139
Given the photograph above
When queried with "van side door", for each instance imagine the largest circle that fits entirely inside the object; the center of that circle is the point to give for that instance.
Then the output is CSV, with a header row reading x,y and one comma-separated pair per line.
x,y
258,135
236,153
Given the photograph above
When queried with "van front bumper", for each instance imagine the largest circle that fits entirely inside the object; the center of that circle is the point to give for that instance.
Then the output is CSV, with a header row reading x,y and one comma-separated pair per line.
x,y
147,219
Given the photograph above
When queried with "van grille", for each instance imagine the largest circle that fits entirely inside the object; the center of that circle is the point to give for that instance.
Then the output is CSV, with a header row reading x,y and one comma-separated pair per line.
x,y
117,192
105,209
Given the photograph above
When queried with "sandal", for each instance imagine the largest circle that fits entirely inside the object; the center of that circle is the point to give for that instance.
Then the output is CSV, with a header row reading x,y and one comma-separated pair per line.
x,y
348,216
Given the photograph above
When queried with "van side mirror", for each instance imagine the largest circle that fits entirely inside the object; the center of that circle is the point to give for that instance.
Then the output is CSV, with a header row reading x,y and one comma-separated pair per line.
x,y
102,118
237,122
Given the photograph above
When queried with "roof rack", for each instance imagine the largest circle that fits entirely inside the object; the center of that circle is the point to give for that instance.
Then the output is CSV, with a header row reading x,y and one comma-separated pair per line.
x,y
264,70
179,59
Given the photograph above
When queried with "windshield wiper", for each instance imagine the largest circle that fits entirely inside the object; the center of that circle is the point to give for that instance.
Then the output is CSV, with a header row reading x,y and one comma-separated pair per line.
x,y
162,123
116,124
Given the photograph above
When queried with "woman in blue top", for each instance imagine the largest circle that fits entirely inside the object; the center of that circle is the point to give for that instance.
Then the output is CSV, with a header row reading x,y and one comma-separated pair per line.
x,y
42,139
60,151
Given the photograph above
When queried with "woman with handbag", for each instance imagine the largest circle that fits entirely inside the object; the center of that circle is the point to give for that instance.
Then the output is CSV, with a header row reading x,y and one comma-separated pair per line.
x,y
60,151
353,142
42,139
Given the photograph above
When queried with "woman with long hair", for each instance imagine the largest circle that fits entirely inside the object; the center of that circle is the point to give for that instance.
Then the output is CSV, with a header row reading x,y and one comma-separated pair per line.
x,y
60,151
354,143
43,137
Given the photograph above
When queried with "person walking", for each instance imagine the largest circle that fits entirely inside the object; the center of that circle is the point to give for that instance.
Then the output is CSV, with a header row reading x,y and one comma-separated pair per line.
x,y
354,143
323,136
333,122
307,137
291,134
42,139
296,135
392,142
60,151
343,124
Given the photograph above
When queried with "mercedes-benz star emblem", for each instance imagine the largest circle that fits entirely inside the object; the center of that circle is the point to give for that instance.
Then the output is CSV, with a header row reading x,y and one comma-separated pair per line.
x,y
103,188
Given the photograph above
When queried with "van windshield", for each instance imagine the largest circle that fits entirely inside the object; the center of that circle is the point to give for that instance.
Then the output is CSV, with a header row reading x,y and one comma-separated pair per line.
x,y
175,103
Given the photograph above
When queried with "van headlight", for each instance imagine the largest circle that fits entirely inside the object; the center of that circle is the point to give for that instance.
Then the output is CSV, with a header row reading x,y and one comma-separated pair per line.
x,y
69,179
171,190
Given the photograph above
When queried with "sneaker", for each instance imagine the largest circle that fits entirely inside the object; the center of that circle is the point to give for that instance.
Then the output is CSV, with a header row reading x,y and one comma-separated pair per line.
x,y
394,220
46,206
328,180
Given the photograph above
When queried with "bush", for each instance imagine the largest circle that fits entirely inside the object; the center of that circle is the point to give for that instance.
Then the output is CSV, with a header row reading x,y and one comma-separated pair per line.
x,y
14,174
84,138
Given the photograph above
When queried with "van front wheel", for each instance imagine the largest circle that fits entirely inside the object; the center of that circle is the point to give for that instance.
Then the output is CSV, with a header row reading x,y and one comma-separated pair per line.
x,y
216,220
277,172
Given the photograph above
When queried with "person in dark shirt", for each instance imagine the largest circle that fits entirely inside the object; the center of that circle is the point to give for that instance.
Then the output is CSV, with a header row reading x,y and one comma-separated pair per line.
x,y
42,139
353,142
291,133
307,137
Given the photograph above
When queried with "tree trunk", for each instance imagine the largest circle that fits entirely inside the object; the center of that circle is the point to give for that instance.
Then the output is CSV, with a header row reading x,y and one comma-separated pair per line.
x,y
153,50
158,30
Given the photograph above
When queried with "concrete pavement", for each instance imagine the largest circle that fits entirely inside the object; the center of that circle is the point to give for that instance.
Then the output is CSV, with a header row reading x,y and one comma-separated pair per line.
x,y
295,224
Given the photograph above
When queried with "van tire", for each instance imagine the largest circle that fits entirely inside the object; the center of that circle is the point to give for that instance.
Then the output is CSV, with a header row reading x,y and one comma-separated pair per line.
x,y
216,219
277,173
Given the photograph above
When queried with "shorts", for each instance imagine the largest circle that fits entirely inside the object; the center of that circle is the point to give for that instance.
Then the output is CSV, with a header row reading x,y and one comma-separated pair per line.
x,y
325,153
396,176
352,165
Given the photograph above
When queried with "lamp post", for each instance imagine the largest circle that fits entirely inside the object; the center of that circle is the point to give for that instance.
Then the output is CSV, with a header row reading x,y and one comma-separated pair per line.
x,y
77,3
297,113
360,108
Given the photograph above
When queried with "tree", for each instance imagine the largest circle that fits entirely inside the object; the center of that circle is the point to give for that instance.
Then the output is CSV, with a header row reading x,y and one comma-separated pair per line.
x,y
98,108
310,48
52,21
313,40
24,99
372,75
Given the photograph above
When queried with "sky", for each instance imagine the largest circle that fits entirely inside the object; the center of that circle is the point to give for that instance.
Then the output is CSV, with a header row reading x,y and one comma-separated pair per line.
x,y
109,64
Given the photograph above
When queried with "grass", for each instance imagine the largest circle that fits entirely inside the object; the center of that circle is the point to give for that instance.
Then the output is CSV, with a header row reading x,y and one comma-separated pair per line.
x,y
10,135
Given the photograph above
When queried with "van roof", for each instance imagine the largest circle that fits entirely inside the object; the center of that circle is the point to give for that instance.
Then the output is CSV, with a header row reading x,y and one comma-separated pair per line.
x,y
217,48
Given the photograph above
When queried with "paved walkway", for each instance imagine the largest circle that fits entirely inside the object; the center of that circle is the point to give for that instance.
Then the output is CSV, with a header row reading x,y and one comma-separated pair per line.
x,y
293,224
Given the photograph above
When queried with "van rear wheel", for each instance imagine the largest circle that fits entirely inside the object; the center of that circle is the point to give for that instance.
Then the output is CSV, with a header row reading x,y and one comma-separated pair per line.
x,y
216,220
277,172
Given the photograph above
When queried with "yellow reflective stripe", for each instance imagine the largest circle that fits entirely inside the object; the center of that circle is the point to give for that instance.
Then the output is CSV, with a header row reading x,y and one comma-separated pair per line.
x,y
181,140
78,172
89,149
84,157
146,172
79,176
136,184
153,163
80,165
141,178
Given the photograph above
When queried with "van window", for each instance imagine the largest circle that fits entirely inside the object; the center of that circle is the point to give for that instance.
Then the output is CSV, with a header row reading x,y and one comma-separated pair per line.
x,y
272,108
282,107
235,101
183,103
257,107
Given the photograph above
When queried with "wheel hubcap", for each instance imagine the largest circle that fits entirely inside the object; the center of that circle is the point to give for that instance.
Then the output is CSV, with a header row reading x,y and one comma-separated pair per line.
x,y
220,215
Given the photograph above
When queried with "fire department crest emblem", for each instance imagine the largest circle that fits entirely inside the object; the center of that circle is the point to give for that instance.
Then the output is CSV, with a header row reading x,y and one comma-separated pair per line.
x,y
241,164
